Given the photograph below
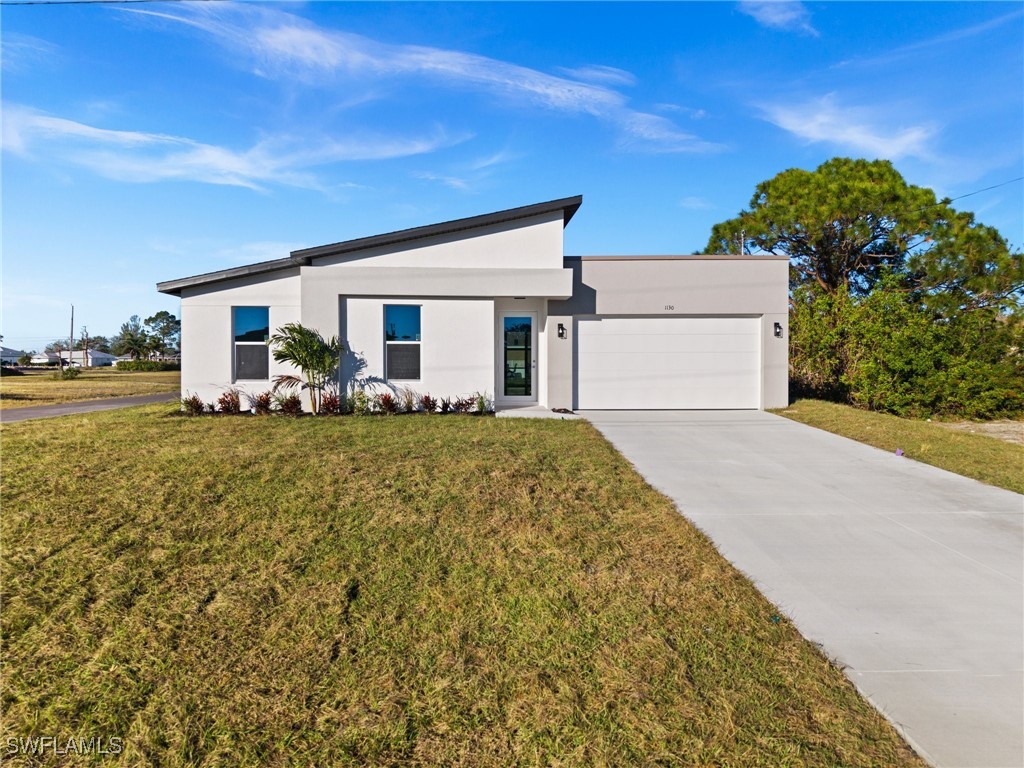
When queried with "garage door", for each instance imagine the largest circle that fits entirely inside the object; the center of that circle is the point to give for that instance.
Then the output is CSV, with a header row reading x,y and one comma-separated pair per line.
x,y
668,362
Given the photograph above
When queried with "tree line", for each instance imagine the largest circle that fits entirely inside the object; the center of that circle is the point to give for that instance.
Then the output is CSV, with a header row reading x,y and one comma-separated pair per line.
x,y
156,336
898,301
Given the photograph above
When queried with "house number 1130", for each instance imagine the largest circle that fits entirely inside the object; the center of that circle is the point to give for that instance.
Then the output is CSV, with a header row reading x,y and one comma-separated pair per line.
x,y
670,307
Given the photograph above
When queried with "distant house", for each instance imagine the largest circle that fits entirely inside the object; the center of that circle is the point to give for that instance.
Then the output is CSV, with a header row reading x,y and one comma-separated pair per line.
x,y
86,359
10,356
92,358
48,358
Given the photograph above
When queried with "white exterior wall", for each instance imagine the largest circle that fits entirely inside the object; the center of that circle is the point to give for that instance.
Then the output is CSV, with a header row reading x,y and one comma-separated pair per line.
x,y
207,343
456,347
533,243
692,286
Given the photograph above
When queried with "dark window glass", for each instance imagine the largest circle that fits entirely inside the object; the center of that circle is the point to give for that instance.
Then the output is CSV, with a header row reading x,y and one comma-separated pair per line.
x,y
401,322
518,356
403,361
252,324
252,361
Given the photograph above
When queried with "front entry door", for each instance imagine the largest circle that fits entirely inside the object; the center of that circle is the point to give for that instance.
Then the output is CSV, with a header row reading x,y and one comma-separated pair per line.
x,y
518,353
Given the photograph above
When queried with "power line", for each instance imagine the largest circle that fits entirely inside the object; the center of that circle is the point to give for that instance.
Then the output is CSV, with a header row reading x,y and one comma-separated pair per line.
x,y
948,200
986,189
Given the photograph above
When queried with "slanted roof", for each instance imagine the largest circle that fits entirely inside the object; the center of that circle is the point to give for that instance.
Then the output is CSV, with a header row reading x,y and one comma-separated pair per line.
x,y
567,205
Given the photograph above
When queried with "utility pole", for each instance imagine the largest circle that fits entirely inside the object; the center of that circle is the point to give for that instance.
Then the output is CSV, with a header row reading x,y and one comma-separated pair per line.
x,y
71,338
85,347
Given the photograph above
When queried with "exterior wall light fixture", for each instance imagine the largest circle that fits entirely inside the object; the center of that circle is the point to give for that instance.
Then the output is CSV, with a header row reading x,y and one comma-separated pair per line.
x,y
778,330
562,333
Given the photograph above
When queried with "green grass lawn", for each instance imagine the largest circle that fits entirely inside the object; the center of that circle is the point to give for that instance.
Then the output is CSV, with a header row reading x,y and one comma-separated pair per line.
x,y
38,387
984,458
390,590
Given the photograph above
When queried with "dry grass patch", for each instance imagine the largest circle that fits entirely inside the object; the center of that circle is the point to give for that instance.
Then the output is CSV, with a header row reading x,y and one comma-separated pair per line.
x,y
38,387
382,591
988,459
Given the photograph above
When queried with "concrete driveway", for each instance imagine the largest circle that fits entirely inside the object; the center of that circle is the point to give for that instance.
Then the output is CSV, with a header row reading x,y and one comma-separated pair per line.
x,y
910,577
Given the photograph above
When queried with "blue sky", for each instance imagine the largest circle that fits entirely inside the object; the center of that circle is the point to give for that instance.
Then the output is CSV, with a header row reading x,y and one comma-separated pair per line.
x,y
151,141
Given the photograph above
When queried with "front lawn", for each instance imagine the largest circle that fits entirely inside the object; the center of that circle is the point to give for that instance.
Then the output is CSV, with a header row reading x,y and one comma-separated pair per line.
x,y
988,459
38,387
416,590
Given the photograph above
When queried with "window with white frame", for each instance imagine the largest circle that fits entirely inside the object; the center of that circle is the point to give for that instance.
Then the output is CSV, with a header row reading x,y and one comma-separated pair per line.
x,y
402,341
251,329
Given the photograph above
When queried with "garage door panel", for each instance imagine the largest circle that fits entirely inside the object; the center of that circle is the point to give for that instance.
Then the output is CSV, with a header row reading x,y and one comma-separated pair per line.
x,y
670,324
665,343
668,363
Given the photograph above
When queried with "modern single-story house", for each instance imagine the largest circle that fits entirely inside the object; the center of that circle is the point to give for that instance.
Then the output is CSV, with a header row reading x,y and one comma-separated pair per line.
x,y
491,304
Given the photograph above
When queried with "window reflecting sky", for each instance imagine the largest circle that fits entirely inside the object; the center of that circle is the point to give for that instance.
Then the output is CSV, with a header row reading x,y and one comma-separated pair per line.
x,y
401,322
252,323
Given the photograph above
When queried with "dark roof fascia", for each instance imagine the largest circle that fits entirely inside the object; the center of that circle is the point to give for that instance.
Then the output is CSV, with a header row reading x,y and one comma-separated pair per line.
x,y
568,206
684,257
175,287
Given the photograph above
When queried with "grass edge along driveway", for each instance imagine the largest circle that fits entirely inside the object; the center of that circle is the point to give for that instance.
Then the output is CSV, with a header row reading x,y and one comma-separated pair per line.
x,y
986,459
38,387
381,590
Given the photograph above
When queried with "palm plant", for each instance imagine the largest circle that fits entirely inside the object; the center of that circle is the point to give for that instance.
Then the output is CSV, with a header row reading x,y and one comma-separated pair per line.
x,y
316,358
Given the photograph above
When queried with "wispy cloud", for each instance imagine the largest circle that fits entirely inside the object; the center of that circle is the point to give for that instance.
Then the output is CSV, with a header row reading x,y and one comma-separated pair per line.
x,y
690,112
599,73
449,181
279,45
694,203
21,52
858,128
148,157
469,176
659,134
787,15
938,41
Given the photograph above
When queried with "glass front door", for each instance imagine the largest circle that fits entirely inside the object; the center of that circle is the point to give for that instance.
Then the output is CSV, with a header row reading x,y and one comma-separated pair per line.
x,y
519,356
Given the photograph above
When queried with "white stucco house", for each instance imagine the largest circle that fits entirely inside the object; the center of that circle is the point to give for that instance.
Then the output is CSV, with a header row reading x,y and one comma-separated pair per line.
x,y
492,304
92,358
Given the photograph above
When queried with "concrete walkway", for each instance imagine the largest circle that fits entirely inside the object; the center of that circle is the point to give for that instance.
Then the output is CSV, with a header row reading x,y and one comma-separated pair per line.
x,y
85,406
910,577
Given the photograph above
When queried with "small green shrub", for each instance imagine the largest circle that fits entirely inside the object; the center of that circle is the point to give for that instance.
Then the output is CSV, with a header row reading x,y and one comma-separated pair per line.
x,y
482,403
358,403
67,374
147,366
192,405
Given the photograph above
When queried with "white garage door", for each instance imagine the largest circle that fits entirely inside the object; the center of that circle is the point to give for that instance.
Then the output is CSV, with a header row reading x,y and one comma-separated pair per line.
x,y
668,362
